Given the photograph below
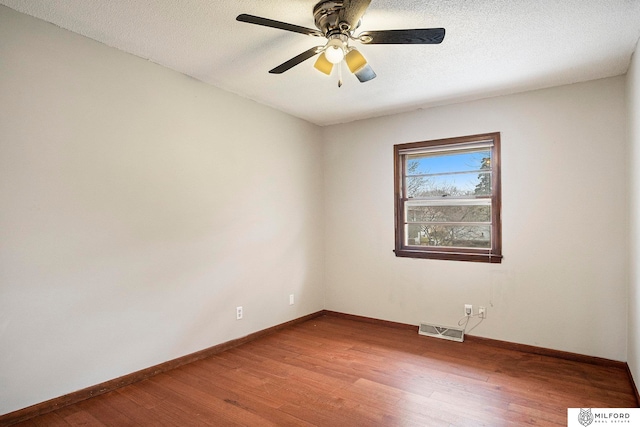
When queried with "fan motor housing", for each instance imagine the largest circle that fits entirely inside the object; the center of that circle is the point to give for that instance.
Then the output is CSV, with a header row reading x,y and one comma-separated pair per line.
x,y
327,18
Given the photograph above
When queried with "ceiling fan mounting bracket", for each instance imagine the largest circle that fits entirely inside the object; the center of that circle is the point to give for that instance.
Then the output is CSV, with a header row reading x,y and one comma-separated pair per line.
x,y
342,37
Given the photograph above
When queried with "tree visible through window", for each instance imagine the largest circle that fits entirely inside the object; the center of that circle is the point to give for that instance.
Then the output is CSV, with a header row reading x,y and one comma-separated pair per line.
x,y
447,196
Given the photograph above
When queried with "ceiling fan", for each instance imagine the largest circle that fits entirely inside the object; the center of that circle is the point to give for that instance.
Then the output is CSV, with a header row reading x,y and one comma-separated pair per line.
x,y
336,21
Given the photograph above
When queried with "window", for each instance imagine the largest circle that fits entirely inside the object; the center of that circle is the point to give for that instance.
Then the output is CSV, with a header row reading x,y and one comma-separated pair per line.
x,y
447,199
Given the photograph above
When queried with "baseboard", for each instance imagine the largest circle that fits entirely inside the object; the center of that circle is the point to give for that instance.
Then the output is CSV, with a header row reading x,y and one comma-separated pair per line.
x,y
558,354
375,321
105,387
633,384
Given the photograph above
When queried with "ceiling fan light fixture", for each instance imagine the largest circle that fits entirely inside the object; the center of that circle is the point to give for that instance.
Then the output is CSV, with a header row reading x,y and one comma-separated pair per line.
x,y
355,60
334,50
323,65
334,54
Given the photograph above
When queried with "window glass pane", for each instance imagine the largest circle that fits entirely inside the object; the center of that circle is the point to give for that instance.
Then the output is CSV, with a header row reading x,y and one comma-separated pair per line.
x,y
471,236
462,184
449,213
430,163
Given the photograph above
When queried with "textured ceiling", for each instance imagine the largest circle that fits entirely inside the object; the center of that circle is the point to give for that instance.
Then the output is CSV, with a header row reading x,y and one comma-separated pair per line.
x,y
491,47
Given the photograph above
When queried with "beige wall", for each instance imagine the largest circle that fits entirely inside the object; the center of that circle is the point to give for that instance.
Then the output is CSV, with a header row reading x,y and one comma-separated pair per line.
x,y
633,102
563,280
138,208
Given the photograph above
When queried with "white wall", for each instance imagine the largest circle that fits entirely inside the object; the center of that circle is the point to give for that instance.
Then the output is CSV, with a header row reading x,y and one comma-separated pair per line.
x,y
633,113
563,280
138,208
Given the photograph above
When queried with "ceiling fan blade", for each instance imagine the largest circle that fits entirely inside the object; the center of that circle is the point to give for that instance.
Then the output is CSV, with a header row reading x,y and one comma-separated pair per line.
x,y
365,74
352,11
415,36
265,22
297,60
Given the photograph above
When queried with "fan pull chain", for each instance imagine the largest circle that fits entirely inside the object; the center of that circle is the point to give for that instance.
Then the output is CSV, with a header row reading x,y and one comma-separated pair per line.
x,y
340,74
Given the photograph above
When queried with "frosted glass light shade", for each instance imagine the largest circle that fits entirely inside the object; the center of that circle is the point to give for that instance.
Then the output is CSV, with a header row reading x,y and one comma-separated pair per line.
x,y
334,54
323,65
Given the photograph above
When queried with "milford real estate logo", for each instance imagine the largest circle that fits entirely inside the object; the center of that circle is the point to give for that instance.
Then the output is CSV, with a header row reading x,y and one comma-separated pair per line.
x,y
585,417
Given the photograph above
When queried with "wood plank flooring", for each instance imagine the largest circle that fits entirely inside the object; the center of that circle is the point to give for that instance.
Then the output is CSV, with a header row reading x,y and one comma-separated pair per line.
x,y
334,371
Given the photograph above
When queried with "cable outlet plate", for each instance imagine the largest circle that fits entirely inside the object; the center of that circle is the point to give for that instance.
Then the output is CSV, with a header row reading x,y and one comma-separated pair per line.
x,y
482,312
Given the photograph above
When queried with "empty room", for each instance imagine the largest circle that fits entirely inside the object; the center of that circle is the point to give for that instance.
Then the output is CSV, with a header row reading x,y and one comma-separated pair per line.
x,y
345,212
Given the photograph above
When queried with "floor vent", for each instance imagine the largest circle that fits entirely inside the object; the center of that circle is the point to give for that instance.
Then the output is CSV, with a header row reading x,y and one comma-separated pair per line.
x,y
444,332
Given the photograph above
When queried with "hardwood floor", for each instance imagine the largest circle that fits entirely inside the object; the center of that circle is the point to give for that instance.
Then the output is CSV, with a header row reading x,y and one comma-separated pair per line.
x,y
334,371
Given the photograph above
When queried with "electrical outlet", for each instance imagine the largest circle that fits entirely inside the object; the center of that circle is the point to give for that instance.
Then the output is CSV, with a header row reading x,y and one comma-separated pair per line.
x,y
468,309
482,312
238,313
291,299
